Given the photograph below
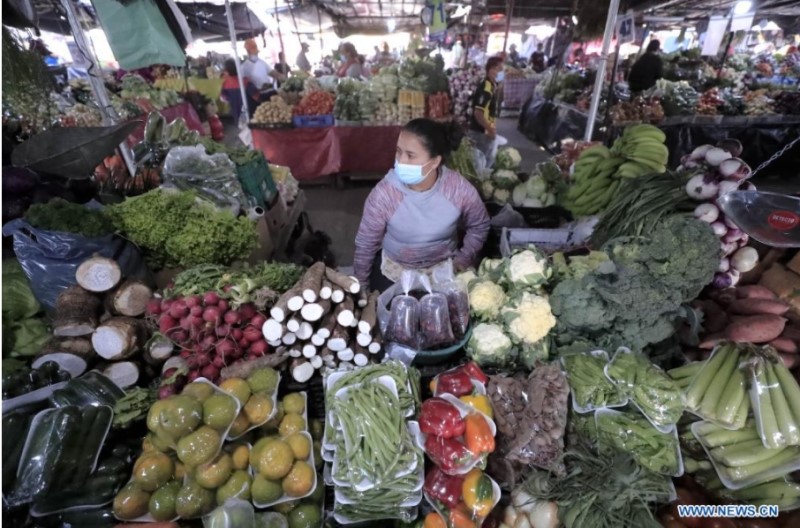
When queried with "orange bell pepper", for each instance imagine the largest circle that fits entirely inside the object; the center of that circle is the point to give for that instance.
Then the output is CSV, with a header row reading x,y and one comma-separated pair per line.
x,y
478,435
460,519
434,520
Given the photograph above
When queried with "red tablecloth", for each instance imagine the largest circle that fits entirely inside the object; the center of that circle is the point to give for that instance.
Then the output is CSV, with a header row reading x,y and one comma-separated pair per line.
x,y
171,113
314,152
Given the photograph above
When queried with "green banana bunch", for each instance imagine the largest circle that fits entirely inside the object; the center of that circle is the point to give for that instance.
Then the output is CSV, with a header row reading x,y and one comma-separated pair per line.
x,y
598,171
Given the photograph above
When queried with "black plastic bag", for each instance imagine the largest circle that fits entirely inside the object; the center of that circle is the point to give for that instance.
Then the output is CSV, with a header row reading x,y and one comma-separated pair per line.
x,y
51,258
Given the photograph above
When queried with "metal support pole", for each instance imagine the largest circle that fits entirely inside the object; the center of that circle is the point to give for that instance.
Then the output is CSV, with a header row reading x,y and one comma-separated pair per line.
x,y
232,31
611,22
110,116
553,40
509,12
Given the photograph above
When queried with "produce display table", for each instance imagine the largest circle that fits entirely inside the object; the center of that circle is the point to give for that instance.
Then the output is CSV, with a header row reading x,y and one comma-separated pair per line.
x,y
761,137
517,91
314,152
171,113
211,88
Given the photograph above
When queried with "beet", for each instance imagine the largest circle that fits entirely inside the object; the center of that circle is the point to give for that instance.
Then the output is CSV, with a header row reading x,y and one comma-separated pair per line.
x,y
210,372
167,391
193,375
258,348
193,301
153,307
210,299
258,320
211,314
247,311
166,323
253,334
222,304
196,311
232,317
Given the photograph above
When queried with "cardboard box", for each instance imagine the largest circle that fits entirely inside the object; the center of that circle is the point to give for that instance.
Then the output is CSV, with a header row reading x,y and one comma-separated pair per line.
x,y
266,248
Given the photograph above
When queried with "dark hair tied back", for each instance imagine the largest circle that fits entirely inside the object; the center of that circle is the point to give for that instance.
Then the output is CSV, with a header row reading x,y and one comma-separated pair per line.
x,y
439,139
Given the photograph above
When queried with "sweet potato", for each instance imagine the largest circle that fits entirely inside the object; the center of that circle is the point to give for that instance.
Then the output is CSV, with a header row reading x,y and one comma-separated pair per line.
x,y
791,332
755,306
714,317
723,297
756,329
756,291
711,340
790,360
784,345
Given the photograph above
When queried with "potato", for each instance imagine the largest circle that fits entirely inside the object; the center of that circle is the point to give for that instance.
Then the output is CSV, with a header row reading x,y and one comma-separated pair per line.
x,y
783,344
755,291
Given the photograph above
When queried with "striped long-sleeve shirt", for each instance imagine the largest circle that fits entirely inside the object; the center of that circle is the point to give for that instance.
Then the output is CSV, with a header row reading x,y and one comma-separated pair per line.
x,y
420,229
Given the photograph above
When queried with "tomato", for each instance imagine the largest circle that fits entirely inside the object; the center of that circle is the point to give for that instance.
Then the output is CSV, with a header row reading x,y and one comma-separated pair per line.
x,y
690,522
685,496
759,523
674,524
719,522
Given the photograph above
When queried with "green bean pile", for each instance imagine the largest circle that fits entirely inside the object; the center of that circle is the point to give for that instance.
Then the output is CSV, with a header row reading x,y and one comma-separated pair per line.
x,y
407,382
377,445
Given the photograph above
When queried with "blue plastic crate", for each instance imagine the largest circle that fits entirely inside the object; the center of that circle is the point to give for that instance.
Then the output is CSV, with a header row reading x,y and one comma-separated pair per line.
x,y
318,121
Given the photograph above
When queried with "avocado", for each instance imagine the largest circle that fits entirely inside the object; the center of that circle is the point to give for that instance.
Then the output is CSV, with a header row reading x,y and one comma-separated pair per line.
x,y
162,501
199,447
193,501
131,502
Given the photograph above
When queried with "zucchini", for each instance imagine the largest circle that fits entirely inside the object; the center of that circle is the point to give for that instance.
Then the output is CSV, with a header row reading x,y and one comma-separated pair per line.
x,y
112,466
97,491
94,430
73,444
40,458
15,432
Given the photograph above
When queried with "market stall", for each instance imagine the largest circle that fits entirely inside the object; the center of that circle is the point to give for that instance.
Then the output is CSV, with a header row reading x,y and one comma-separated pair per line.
x,y
183,111
210,88
517,91
315,152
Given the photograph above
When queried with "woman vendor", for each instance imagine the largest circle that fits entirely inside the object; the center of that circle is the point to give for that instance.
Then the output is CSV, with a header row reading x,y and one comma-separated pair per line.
x,y
414,217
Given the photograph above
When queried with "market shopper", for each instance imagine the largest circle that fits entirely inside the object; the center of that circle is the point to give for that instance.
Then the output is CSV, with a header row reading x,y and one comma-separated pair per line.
x,y
484,104
413,217
302,62
538,59
233,94
647,70
351,62
257,70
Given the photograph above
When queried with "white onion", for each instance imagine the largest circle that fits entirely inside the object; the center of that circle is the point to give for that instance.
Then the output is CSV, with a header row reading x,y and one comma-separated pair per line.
x,y
707,212
698,188
735,168
733,235
543,514
719,229
745,259
728,248
724,265
715,156
699,154
727,186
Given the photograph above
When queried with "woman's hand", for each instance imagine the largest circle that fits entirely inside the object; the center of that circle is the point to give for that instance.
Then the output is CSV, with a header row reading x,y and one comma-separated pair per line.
x,y
491,131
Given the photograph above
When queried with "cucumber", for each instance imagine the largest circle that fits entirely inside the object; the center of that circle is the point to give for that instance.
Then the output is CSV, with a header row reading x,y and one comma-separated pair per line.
x,y
39,460
73,444
93,435
15,431
111,466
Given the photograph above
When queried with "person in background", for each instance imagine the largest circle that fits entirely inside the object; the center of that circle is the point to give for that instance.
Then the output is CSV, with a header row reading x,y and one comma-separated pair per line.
x,y
351,62
302,61
513,56
484,104
414,217
458,53
282,67
476,54
647,70
538,59
233,94
386,57
257,70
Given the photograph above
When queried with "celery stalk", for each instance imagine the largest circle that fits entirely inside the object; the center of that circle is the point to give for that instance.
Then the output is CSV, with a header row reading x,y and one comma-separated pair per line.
x,y
711,399
776,489
770,433
743,454
731,398
706,375
790,389
725,437
775,463
741,415
686,371
783,415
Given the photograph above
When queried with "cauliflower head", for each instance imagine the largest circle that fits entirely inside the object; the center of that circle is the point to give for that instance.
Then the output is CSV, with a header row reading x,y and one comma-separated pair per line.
x,y
490,347
528,268
505,179
487,189
465,277
501,196
492,269
528,319
486,299
507,158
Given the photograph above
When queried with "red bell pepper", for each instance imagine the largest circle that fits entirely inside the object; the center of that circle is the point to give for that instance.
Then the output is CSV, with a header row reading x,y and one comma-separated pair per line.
x,y
474,371
443,487
456,382
439,417
447,453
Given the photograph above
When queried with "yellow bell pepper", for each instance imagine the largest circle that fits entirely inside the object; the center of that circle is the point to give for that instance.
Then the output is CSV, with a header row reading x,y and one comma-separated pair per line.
x,y
479,402
478,493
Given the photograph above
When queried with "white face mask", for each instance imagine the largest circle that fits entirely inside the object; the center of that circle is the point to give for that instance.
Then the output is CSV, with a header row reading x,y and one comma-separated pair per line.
x,y
410,174
500,76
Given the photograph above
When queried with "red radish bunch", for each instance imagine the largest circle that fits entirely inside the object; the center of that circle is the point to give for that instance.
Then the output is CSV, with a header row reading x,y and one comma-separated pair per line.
x,y
210,334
